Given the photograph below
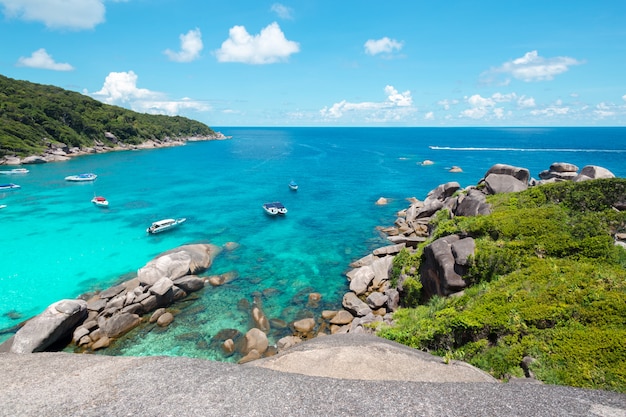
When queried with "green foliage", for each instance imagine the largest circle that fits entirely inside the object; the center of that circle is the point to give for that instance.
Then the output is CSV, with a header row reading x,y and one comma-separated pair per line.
x,y
546,281
34,115
412,292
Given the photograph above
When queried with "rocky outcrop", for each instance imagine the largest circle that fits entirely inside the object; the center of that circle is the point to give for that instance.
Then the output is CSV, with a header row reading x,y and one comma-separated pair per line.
x,y
562,171
55,324
444,263
94,323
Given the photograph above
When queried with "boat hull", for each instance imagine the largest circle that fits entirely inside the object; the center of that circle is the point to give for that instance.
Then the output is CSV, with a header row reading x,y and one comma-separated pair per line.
x,y
164,225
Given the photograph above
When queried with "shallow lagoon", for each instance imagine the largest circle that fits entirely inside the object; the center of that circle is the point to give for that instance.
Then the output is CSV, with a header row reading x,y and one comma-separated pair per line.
x,y
57,244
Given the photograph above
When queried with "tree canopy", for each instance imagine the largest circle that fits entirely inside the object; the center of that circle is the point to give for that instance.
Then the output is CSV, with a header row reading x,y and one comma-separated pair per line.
x,y
34,115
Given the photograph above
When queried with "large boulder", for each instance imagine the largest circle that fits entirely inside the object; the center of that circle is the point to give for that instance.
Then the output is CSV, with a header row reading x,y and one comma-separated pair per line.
x,y
255,339
522,174
474,203
56,323
502,183
354,305
445,261
593,172
361,278
442,192
118,324
176,263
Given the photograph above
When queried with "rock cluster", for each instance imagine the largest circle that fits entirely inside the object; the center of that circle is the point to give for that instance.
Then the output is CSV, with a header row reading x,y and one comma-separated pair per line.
x,y
95,322
445,260
563,171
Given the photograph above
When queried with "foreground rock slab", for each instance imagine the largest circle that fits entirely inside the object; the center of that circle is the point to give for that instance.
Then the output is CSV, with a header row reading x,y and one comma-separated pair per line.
x,y
62,384
368,357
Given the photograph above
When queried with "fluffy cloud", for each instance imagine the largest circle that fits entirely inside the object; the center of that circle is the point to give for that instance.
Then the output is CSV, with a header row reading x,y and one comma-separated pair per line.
x,y
393,108
190,47
532,67
41,59
624,97
383,45
482,107
282,11
267,47
524,101
70,14
120,88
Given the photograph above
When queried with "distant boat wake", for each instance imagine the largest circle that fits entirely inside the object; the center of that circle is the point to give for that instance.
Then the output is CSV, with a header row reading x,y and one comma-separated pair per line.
x,y
451,148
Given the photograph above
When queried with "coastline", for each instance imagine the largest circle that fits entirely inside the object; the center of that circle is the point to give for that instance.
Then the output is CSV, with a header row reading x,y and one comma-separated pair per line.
x,y
60,152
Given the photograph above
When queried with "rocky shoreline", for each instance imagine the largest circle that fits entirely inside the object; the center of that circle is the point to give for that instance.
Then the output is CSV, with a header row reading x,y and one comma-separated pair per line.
x,y
95,321
57,152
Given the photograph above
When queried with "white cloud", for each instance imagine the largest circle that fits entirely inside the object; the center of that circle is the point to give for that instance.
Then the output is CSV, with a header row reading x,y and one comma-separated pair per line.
x,y
282,11
383,45
429,116
70,14
524,101
268,47
503,98
190,45
485,107
550,111
120,88
446,104
41,59
477,101
395,107
399,99
624,97
532,67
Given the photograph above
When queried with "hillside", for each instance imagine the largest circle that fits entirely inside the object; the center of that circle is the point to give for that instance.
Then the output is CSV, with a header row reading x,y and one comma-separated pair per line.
x,y
33,116
546,291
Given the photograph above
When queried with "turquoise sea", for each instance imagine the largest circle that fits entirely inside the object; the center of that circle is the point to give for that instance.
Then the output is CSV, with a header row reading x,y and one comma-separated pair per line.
x,y
56,244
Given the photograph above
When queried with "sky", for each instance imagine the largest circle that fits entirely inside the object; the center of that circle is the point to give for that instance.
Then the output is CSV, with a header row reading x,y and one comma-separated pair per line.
x,y
330,62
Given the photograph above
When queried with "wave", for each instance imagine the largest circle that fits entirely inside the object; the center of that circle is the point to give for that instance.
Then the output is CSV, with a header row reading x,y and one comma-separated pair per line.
x,y
451,148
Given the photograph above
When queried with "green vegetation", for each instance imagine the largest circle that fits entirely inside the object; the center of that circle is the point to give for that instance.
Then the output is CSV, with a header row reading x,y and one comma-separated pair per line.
x,y
546,282
34,115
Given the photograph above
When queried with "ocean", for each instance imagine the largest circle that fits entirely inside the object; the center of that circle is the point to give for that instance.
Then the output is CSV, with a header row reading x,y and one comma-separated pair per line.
x,y
56,244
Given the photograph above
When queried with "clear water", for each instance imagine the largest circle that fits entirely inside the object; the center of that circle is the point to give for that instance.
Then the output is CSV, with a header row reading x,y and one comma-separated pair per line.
x,y
56,244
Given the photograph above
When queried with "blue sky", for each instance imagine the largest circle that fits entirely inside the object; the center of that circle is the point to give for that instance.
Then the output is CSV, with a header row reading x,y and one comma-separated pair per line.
x,y
330,62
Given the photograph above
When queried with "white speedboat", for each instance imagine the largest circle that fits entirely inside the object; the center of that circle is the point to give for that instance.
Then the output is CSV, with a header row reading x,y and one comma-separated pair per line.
x,y
15,171
81,177
10,186
165,224
293,185
100,201
275,208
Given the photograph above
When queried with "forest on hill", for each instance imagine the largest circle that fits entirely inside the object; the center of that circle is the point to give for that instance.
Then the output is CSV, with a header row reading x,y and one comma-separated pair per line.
x,y
33,116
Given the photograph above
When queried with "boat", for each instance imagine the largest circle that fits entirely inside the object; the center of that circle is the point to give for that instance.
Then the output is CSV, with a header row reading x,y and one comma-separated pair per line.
x,y
15,171
293,185
100,201
275,208
81,177
163,225
9,186
2,206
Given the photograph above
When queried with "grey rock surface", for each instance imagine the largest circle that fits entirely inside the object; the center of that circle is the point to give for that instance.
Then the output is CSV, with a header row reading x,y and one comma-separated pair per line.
x,y
62,384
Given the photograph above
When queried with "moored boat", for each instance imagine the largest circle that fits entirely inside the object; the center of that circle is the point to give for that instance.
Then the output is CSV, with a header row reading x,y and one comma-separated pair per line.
x,y
275,208
15,171
293,185
100,201
9,186
165,224
81,177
